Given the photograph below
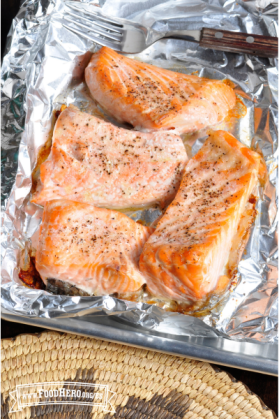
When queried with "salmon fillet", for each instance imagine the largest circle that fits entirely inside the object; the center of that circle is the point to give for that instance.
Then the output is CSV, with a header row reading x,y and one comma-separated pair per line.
x,y
95,162
93,249
189,252
152,98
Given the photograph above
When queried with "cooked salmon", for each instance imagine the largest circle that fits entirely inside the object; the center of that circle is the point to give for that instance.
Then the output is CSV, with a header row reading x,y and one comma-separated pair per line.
x,y
191,252
95,162
152,98
95,250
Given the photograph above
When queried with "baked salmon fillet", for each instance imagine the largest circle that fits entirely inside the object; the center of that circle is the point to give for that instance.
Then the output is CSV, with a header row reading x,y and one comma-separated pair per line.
x,y
95,162
95,250
198,240
152,98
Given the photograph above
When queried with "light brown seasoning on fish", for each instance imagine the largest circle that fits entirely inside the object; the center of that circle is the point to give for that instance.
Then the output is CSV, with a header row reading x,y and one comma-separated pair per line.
x,y
198,241
93,249
152,98
95,162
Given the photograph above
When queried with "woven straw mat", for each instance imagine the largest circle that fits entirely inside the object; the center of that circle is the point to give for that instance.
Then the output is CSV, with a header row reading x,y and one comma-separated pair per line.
x,y
147,384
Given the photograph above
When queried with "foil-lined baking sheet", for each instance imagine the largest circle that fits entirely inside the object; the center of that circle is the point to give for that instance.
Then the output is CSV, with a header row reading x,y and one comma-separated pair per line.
x,y
43,68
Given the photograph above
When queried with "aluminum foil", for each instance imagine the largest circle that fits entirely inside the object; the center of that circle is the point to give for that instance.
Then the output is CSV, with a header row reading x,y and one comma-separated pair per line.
x,y
43,68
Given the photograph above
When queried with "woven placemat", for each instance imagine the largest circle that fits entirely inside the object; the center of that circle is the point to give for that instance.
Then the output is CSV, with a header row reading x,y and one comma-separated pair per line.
x,y
146,384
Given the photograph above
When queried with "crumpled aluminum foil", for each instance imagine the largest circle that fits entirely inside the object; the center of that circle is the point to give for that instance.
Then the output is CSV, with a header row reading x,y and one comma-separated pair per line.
x,y
40,72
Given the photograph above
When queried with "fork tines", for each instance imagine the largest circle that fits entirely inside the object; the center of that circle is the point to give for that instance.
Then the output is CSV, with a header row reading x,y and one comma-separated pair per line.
x,y
98,28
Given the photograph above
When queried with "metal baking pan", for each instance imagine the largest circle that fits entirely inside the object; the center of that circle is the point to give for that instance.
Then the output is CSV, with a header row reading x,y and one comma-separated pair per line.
x,y
33,87
257,357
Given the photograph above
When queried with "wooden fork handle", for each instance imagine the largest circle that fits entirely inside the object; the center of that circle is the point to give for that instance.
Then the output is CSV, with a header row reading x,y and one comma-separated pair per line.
x,y
262,46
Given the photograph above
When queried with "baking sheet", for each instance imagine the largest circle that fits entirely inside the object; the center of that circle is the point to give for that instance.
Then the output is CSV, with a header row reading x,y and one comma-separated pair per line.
x,y
40,72
219,350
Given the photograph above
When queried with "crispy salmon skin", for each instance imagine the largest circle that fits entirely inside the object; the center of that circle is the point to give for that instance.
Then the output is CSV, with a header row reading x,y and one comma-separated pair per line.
x,y
190,250
93,249
95,162
152,98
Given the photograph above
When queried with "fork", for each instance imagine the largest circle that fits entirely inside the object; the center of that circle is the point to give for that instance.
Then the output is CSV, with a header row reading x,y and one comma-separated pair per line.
x,y
129,37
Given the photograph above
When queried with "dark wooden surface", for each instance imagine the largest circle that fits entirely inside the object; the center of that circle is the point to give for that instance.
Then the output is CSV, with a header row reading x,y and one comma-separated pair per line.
x,y
265,386
9,9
